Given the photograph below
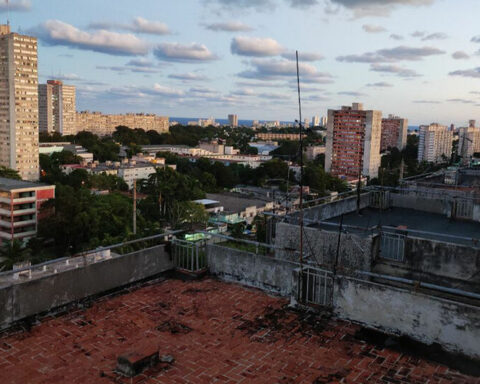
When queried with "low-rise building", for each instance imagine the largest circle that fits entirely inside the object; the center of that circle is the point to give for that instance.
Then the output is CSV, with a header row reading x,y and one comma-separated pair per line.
x,y
312,151
20,203
104,125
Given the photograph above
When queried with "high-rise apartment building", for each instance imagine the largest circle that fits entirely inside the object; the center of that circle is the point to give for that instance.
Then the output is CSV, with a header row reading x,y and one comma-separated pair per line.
x,y
19,103
353,142
315,121
468,141
233,121
434,143
394,133
57,108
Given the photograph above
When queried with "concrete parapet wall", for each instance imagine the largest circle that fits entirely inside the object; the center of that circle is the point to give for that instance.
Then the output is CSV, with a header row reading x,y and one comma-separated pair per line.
x,y
34,296
428,319
425,204
438,263
335,208
264,272
320,248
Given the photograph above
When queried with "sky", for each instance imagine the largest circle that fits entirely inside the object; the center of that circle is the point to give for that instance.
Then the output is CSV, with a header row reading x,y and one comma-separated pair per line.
x,y
419,59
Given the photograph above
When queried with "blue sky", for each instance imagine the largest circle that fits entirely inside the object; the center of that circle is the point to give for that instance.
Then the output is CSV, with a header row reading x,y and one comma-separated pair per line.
x,y
419,59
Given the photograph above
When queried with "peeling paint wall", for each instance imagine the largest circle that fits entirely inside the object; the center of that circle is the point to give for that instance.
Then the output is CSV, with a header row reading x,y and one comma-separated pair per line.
x,y
438,263
320,248
264,272
428,319
43,294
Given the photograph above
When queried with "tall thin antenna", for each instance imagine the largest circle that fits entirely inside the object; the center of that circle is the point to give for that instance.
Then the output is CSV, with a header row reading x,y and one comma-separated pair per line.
x,y
301,162
8,13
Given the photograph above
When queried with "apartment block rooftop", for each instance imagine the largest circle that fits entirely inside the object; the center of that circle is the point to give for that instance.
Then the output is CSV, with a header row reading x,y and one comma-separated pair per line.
x,y
216,332
366,303
13,184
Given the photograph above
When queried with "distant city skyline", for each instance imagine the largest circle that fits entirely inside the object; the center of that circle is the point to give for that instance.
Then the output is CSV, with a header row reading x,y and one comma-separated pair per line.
x,y
212,57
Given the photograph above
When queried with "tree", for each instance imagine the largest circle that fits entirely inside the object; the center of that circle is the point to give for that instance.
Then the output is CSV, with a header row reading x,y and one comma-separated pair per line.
x,y
9,173
12,253
187,213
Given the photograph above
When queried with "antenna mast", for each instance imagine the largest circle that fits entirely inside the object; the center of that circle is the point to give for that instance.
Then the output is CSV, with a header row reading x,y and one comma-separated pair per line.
x,y
8,13
301,163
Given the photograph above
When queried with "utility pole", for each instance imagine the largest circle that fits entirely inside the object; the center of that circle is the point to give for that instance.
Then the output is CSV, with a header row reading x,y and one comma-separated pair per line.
x,y
135,206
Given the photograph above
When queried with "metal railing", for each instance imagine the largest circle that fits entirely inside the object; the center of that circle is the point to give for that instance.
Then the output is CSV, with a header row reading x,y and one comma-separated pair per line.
x,y
392,246
315,286
188,255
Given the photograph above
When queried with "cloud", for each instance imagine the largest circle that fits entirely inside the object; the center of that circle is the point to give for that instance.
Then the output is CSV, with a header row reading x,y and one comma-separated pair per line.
x,y
189,76
394,69
275,96
380,84
460,55
475,92
302,3
426,102
351,93
303,56
435,36
377,7
475,39
474,72
418,34
244,92
15,6
166,91
369,28
463,101
134,66
392,55
229,26
65,77
141,62
273,69
55,32
394,36
255,46
138,25
184,53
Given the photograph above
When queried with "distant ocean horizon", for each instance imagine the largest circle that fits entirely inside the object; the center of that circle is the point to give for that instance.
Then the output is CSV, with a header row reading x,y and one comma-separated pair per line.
x,y
247,123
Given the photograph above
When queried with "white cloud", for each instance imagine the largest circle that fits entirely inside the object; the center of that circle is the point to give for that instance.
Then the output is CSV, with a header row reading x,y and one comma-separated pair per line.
x,y
189,76
229,26
369,28
56,32
255,46
184,53
15,6
138,25
303,56
460,55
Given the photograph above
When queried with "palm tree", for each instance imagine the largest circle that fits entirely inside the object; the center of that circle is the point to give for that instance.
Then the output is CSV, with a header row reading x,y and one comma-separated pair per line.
x,y
12,253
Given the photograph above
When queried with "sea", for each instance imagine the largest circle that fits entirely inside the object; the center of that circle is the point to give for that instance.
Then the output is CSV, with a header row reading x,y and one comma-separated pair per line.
x,y
248,123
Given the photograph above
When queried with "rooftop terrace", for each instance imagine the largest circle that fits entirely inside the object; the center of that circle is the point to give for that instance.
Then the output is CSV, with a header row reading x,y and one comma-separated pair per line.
x,y
440,226
217,332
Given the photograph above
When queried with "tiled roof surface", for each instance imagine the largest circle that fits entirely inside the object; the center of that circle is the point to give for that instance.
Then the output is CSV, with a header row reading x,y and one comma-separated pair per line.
x,y
217,333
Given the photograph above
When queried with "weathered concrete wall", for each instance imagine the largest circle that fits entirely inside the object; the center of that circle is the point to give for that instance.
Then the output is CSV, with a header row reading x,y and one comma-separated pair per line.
x,y
426,204
335,208
438,263
249,269
320,247
42,294
428,319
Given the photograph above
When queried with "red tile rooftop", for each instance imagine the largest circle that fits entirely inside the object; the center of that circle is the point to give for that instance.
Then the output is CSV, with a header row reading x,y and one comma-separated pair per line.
x,y
217,333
